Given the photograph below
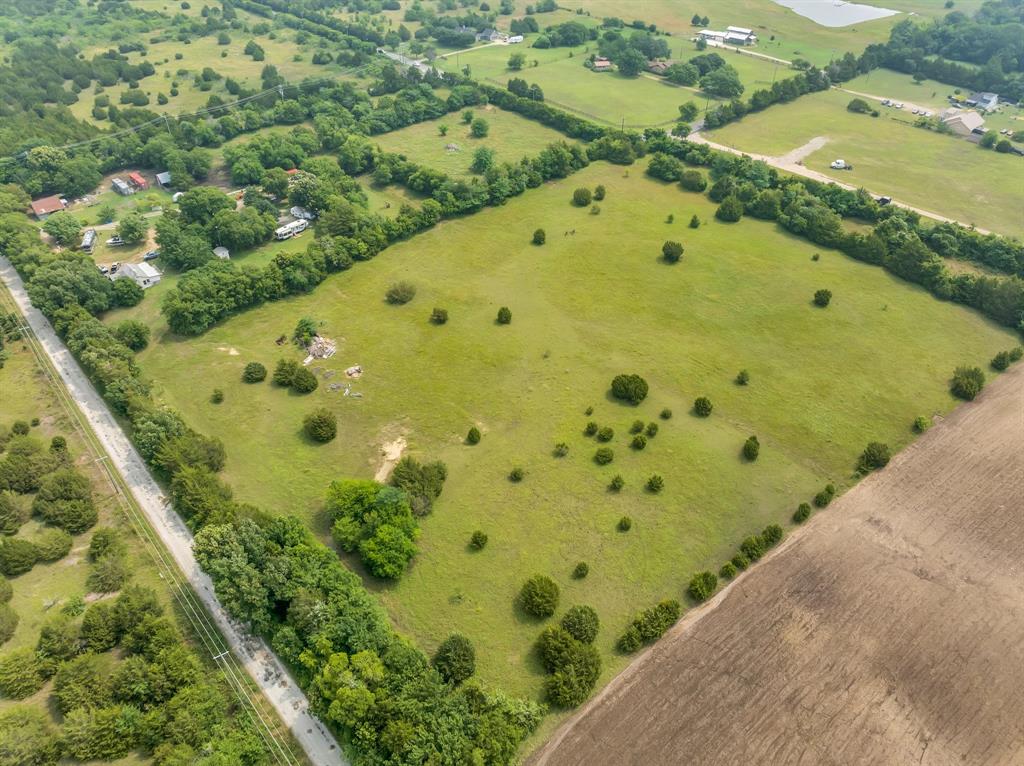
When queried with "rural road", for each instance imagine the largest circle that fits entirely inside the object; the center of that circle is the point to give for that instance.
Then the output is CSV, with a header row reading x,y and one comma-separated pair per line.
x,y
907,106
265,669
791,163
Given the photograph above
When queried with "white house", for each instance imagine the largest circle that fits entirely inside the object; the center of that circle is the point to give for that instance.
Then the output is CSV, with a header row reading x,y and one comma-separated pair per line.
x,y
141,274
223,253
731,36
963,123
289,230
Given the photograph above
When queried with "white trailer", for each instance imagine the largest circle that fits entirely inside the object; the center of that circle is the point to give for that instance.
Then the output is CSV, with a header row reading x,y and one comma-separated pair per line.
x,y
289,230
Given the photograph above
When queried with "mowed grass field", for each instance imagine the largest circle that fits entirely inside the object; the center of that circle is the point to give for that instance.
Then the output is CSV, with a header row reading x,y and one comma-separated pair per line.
x,y
940,173
606,96
510,137
585,307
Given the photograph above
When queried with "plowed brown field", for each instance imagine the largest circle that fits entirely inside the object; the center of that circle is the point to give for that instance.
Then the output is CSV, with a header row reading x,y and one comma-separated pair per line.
x,y
889,630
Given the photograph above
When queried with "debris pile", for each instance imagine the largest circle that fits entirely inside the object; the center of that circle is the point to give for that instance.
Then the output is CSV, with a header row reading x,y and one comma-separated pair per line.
x,y
320,348
354,371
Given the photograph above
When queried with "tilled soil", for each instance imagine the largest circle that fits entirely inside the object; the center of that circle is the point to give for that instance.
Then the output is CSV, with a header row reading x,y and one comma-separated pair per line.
x,y
889,630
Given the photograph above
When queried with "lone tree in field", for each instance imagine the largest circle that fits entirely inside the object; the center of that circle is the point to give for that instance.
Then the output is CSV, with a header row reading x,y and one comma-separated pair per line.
x,y
967,382
655,484
742,378
631,388
702,406
822,298
672,252
400,292
254,372
321,425
479,128
504,315
304,381
876,455
581,197
455,659
751,448
695,222
439,316
539,237
539,596
473,437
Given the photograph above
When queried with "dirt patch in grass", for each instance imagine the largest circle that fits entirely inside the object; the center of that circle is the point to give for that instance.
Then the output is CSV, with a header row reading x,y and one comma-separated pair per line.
x,y
884,632
390,454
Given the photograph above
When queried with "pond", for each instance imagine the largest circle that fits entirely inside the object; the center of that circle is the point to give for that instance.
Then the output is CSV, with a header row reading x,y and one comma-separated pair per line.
x,y
835,13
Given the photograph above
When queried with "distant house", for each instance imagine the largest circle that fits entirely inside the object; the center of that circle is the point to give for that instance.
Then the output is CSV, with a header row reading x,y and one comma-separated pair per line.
x,y
963,123
514,39
600,64
88,241
490,36
658,67
731,36
137,181
223,253
986,102
141,274
163,180
47,206
122,187
292,171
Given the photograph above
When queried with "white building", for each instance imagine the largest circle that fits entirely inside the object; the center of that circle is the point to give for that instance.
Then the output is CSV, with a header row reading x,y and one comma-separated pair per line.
x,y
301,212
731,36
223,253
141,274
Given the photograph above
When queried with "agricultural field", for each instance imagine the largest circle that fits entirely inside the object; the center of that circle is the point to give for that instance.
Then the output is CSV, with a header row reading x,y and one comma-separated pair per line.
x,y
939,173
510,137
595,301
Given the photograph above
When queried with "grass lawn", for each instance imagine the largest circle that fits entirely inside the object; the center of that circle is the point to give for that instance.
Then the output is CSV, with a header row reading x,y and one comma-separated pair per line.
x,y
943,174
901,87
389,199
511,137
585,307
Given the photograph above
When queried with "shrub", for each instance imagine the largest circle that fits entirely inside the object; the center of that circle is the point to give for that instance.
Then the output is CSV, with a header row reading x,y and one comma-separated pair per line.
x,y
967,382
439,316
695,222
52,545
728,571
100,627
254,372
284,372
473,437
824,497
22,673
304,381
631,388
625,524
13,512
65,500
671,252
740,561
581,197
639,442
571,683
582,623
702,585
921,424
590,429
539,596
455,659
108,574
20,428
478,541
479,128
504,315
666,414
693,180
637,427
599,192
649,625
752,547
702,406
604,455
6,590
589,411
605,434
422,482
32,740
772,535
876,455
581,570
539,237
731,209
1004,359
629,641
751,448
802,513
133,334
516,474
320,425
651,430
617,483
400,293
742,378
655,484
822,298
8,623
217,396
17,556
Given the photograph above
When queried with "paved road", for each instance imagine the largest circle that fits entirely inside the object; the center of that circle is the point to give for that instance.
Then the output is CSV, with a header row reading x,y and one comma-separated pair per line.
x,y
796,168
266,670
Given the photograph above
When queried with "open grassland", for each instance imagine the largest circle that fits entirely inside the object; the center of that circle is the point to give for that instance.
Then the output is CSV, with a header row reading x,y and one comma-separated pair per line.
x,y
940,173
834,644
795,36
585,306
901,87
510,137
606,96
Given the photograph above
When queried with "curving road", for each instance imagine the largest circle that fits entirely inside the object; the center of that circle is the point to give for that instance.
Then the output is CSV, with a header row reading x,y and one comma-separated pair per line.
x,y
259,661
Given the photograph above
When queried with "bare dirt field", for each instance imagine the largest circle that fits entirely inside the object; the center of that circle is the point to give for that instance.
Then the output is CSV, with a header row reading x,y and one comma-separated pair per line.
x,y
889,630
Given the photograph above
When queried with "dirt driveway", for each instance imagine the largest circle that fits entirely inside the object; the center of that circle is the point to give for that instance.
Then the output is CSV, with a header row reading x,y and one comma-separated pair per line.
x,y
889,630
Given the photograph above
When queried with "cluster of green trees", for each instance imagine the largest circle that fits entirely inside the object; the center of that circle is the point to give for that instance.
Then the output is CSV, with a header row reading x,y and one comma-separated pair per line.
x,y
631,54
649,625
122,681
781,91
567,652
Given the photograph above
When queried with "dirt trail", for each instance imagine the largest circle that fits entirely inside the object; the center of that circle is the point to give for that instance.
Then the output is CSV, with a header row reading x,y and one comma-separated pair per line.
x,y
798,155
888,630
391,452
907,106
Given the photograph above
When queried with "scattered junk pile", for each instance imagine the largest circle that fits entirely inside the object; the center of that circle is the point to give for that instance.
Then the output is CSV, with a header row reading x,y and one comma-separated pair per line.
x,y
324,348
320,348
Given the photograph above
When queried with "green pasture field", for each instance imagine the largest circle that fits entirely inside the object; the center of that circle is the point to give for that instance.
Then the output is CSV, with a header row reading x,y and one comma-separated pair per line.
x,y
940,173
606,96
795,36
901,87
511,137
388,200
586,306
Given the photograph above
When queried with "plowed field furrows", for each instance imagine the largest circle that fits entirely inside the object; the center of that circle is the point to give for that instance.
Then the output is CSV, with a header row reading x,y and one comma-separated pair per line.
x,y
889,630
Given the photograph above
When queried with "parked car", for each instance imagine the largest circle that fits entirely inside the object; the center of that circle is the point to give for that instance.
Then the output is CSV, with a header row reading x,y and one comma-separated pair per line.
x,y
152,254
884,200
838,165
114,267
115,241
104,270
898,104
886,102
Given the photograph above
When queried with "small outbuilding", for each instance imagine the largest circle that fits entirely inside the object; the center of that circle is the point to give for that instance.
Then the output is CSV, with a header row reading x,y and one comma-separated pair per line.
x,y
137,181
601,64
222,252
163,180
47,206
302,213
142,274
986,102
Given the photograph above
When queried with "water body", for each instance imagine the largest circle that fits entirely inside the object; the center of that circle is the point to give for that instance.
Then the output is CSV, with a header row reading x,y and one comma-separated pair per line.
x,y
835,13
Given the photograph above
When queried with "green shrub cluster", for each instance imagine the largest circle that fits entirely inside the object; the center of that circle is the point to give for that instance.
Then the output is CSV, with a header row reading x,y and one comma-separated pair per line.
x,y
967,382
824,497
1004,359
702,585
648,626
574,666
539,596
455,659
631,388
375,521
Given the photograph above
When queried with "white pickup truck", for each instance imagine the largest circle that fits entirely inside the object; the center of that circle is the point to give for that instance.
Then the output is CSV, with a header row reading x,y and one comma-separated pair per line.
x,y
839,165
